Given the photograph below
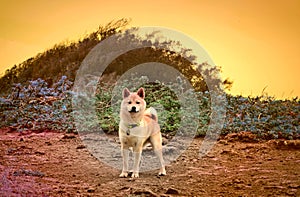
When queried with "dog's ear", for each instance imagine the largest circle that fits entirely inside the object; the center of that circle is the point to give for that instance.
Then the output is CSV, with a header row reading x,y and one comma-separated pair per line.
x,y
141,93
126,93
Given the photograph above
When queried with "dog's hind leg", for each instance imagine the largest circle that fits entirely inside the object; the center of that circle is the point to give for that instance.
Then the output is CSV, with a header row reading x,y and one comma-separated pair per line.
x,y
125,156
156,142
162,170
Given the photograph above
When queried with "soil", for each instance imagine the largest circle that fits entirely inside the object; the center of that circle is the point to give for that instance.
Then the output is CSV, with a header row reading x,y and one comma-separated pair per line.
x,y
52,163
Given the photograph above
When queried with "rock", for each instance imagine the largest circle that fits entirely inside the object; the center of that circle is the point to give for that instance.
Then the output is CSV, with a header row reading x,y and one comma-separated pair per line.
x,y
172,191
28,173
68,136
80,146
145,192
39,153
91,190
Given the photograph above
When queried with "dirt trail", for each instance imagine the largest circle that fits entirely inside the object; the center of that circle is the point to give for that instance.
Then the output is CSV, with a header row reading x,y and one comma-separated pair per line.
x,y
56,164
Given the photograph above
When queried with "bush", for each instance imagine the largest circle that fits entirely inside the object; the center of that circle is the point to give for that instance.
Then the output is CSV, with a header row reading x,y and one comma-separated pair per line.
x,y
36,106
263,115
161,97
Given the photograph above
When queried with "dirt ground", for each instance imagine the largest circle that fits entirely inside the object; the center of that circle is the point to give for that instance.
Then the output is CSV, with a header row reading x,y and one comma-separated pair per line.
x,y
55,164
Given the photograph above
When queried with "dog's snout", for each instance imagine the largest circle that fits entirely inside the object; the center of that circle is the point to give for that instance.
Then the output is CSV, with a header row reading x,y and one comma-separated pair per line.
x,y
133,109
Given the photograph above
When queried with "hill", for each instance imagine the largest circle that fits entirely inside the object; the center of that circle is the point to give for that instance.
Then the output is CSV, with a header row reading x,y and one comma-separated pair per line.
x,y
65,59
62,60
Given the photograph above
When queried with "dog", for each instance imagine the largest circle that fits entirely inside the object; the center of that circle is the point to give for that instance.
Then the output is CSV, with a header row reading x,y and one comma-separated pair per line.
x,y
138,126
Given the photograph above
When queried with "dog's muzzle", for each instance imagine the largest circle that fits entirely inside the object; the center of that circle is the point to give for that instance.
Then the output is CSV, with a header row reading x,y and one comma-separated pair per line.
x,y
133,110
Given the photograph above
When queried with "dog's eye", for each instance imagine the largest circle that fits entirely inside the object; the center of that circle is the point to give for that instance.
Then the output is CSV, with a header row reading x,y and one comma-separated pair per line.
x,y
138,102
129,102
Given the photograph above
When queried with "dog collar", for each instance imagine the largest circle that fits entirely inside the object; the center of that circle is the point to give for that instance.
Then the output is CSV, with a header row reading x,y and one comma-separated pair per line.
x,y
131,126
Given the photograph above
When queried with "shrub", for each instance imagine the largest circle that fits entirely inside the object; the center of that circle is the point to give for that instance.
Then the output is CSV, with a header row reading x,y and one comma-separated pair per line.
x,y
263,115
36,106
172,114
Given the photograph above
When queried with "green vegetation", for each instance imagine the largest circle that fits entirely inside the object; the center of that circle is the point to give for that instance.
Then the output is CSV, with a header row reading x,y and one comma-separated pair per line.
x,y
38,107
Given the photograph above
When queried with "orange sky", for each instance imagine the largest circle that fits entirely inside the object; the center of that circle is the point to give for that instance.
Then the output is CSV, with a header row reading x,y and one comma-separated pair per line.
x,y
257,43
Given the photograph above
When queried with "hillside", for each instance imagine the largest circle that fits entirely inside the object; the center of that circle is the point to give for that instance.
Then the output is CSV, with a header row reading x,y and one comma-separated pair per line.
x,y
65,59
61,60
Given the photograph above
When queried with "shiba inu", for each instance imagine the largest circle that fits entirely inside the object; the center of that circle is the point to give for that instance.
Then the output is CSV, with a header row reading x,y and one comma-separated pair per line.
x,y
137,127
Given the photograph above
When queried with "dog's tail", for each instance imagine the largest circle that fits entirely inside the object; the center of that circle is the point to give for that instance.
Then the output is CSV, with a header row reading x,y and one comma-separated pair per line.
x,y
151,112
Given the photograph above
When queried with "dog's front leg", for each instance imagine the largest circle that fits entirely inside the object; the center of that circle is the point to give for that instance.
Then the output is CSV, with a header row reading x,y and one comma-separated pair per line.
x,y
136,164
125,156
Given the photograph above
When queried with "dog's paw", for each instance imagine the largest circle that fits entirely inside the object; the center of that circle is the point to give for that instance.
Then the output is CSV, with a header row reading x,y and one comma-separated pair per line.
x,y
162,172
123,175
135,175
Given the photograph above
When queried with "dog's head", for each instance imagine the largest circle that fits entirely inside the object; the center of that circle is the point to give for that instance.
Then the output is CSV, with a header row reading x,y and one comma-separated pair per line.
x,y
134,102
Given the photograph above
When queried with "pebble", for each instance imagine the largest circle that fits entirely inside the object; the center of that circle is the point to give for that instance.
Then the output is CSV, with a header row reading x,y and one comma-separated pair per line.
x,y
91,190
172,191
80,147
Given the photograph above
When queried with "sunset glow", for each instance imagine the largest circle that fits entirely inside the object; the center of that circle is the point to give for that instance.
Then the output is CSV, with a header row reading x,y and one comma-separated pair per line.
x,y
256,43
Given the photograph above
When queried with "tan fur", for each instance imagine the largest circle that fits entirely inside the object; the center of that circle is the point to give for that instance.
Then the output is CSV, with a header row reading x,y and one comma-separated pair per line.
x,y
138,126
